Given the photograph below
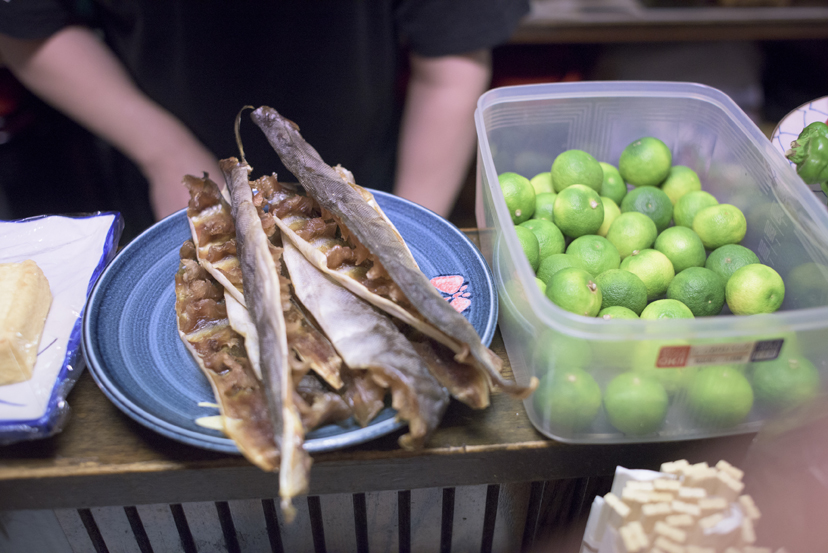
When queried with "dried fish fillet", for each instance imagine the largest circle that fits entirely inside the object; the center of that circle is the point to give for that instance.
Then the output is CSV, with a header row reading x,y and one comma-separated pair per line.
x,y
367,339
240,321
300,219
421,306
262,293
219,353
214,234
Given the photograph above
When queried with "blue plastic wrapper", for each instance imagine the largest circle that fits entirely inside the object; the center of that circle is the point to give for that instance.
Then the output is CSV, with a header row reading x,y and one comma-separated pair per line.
x,y
72,251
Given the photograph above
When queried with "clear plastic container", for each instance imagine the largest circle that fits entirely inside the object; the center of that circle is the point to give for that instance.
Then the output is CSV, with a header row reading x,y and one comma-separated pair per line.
x,y
522,129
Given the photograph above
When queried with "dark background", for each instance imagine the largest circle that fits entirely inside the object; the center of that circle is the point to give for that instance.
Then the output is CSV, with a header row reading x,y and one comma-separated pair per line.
x,y
50,165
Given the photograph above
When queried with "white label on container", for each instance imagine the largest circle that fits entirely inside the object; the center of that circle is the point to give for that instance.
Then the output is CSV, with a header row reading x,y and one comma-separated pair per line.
x,y
718,354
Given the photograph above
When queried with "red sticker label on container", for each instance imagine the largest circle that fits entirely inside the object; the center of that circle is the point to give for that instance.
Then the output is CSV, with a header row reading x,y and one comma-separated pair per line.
x,y
673,356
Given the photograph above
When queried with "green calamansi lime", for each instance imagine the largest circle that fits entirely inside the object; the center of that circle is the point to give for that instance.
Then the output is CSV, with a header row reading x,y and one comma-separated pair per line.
x,y
682,246
645,162
679,182
754,289
700,289
666,309
555,350
620,288
809,281
578,211
652,202
597,253
550,238
541,284
691,203
721,224
720,396
567,399
726,260
544,202
519,196
632,232
512,303
611,213
654,270
635,404
542,183
616,312
613,186
576,167
575,291
529,244
554,263
785,381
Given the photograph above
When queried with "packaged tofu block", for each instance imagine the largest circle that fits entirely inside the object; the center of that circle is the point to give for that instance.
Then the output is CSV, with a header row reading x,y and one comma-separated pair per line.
x,y
25,298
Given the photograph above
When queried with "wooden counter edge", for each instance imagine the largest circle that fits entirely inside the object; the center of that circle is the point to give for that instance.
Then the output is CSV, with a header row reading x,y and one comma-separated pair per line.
x,y
153,483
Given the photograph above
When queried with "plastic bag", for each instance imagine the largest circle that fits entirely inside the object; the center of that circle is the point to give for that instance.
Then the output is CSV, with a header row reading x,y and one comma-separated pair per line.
x,y
72,251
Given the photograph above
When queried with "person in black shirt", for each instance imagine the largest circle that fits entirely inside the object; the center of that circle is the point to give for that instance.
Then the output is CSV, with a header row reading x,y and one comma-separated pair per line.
x,y
167,79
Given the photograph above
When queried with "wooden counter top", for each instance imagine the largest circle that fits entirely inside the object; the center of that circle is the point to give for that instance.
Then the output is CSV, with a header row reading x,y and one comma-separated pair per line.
x,y
105,458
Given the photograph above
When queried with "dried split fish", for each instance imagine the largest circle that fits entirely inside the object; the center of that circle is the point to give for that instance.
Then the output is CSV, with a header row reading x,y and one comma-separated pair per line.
x,y
262,293
203,326
214,234
304,224
367,339
357,295
413,300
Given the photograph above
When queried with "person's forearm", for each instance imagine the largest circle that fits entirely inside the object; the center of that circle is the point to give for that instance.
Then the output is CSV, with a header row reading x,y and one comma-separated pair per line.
x,y
77,74
437,138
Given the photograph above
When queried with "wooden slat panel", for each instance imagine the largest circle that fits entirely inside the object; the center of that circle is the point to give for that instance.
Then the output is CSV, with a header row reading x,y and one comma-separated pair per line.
x,y
561,514
202,518
115,529
297,535
338,514
74,530
361,523
426,514
138,529
512,508
251,531
31,531
469,508
160,528
404,521
381,510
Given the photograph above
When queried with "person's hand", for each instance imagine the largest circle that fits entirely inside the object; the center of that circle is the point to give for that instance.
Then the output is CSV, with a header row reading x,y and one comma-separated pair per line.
x,y
75,71
167,191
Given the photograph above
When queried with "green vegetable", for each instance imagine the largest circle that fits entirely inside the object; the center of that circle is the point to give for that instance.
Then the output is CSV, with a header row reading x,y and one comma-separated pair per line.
x,y
817,128
810,154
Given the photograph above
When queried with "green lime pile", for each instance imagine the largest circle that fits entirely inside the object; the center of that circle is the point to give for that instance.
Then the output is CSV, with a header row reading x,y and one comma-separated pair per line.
x,y
647,216
642,240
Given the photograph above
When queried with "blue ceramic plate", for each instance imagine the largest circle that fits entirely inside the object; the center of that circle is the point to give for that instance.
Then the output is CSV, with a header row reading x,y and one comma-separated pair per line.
x,y
134,352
